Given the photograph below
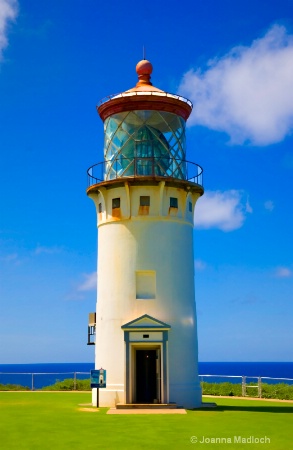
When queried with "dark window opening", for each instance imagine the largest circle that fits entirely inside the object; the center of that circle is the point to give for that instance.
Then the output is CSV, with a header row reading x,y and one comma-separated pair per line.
x,y
144,200
173,202
190,207
115,203
100,207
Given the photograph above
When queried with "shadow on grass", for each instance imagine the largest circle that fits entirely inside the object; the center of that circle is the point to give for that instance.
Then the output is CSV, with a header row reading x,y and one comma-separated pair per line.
x,y
262,409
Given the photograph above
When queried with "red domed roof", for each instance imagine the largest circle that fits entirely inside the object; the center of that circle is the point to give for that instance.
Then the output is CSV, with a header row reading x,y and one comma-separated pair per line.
x,y
144,96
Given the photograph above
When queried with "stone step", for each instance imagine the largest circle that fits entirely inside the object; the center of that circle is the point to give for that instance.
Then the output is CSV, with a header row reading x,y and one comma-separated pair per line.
x,y
146,406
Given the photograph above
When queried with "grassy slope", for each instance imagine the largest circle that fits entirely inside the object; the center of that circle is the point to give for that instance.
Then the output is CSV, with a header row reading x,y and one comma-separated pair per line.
x,y
41,421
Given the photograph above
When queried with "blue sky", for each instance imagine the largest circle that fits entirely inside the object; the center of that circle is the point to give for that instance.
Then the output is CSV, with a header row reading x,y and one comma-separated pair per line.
x,y
234,60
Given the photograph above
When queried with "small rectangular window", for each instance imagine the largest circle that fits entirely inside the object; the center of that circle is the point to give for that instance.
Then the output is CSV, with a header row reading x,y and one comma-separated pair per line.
x,y
145,336
145,284
115,203
190,206
100,207
144,205
173,202
144,200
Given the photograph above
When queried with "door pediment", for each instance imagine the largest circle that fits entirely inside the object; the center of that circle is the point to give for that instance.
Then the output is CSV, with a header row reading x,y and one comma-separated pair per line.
x,y
145,322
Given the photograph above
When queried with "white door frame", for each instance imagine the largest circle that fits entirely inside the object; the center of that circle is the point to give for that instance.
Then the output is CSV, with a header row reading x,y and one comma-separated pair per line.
x,y
146,333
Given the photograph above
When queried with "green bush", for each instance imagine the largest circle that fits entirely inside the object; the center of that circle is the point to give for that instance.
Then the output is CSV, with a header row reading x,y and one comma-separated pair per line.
x,y
13,387
68,385
225,389
279,391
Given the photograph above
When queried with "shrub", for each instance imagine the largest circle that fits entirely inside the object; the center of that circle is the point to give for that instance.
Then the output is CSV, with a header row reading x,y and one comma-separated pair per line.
x,y
68,385
13,387
225,389
279,391
65,385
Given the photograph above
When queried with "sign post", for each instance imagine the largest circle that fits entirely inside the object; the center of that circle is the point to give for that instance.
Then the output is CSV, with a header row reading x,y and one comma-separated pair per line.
x,y
98,380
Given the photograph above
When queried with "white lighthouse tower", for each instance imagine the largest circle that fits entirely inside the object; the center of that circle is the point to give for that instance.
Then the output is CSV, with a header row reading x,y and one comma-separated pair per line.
x,y
145,192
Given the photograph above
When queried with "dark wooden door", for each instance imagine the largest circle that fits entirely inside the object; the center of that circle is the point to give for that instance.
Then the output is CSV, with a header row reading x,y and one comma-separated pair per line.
x,y
146,385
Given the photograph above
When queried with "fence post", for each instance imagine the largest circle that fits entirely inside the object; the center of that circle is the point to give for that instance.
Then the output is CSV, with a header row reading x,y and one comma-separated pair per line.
x,y
74,385
32,381
259,387
243,386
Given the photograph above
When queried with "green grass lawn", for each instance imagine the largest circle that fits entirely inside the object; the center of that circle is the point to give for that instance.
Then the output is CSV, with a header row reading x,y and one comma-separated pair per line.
x,y
53,421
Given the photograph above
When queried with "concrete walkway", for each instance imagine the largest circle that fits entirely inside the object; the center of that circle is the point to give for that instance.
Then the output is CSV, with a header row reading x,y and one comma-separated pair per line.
x,y
146,411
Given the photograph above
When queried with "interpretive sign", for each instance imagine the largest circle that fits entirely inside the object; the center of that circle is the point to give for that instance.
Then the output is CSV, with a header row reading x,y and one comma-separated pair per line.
x,y
98,378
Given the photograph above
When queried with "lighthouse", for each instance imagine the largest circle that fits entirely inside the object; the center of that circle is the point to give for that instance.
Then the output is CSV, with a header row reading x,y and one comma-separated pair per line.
x,y
145,192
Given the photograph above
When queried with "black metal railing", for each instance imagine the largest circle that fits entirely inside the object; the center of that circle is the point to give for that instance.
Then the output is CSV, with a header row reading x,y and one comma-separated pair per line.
x,y
145,167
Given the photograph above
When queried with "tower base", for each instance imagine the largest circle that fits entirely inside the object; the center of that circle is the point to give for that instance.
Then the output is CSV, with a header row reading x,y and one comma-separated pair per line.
x,y
108,397
188,396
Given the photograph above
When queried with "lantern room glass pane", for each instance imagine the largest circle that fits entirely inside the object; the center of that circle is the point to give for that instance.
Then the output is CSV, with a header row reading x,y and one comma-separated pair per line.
x,y
146,143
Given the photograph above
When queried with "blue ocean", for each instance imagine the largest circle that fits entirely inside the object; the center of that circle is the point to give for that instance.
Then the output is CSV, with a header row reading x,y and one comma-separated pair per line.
x,y
36,376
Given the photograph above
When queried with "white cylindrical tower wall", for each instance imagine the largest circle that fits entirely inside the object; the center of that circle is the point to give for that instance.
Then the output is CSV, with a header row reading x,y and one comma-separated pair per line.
x,y
156,241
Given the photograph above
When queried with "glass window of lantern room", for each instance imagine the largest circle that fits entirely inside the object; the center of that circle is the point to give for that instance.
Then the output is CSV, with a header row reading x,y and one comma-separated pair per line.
x,y
145,143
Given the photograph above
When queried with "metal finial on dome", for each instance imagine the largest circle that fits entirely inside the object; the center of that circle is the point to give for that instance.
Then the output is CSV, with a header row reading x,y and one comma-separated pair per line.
x,y
144,69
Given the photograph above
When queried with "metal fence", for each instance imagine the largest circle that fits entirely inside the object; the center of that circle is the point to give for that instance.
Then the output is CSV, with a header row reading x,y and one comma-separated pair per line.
x,y
36,381
247,382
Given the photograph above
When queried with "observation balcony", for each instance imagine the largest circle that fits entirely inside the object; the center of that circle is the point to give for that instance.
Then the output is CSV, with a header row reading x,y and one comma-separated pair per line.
x,y
148,167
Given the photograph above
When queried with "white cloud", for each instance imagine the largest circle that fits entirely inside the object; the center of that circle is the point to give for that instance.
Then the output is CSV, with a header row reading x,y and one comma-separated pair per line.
x,y
47,250
12,257
223,210
248,207
283,272
248,93
89,283
269,205
8,12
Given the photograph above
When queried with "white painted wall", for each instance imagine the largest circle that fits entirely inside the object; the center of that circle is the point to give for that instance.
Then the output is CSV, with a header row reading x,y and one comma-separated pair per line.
x,y
162,242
